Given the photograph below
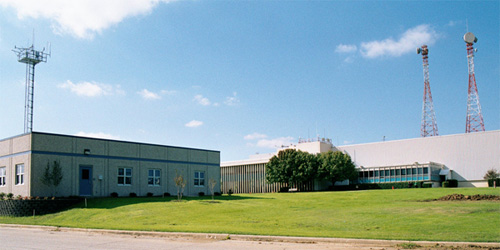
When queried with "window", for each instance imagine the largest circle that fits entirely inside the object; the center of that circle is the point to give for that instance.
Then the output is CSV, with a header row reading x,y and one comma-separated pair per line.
x,y
199,179
154,177
2,176
387,173
426,170
398,171
19,174
376,173
413,171
403,171
124,176
419,170
392,172
382,173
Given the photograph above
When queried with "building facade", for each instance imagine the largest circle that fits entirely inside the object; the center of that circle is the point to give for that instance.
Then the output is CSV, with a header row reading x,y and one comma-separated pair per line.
x,y
98,167
464,157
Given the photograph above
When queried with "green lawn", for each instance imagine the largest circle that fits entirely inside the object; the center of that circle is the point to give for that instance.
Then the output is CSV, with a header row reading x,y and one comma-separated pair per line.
x,y
375,214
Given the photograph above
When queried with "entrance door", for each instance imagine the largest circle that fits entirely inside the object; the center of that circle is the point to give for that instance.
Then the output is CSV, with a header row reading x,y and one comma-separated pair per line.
x,y
85,180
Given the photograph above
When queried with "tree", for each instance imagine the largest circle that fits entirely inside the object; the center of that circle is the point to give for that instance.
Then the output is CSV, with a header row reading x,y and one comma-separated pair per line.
x,y
211,185
291,166
491,174
180,183
336,166
53,178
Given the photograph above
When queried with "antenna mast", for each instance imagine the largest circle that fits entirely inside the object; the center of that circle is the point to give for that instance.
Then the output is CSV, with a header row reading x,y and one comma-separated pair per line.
x,y
429,125
30,57
474,121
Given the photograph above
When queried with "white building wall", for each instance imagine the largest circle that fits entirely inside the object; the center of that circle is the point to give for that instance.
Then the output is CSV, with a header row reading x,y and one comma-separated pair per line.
x,y
469,156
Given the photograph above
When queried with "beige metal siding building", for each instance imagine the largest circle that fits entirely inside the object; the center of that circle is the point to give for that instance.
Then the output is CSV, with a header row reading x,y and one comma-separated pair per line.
x,y
99,167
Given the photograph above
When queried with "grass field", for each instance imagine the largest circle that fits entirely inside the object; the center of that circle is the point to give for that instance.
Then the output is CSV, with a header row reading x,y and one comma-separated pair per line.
x,y
375,214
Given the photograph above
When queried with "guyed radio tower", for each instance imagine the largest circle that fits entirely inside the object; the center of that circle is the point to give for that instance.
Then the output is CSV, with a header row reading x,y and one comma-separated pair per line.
x,y
30,57
429,125
474,121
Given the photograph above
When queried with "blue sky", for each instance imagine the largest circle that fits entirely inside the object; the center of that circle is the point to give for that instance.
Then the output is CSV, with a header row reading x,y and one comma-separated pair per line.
x,y
246,76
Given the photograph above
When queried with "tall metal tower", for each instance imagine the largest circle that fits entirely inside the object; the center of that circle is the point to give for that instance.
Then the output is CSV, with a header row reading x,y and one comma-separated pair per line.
x,y
475,121
30,57
429,125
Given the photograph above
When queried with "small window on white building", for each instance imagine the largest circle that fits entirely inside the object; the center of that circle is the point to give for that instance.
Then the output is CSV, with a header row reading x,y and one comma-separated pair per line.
x,y
2,176
154,177
125,176
199,179
19,174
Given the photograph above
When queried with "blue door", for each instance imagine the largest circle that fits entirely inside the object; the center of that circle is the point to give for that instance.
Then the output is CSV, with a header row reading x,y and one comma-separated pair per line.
x,y
85,180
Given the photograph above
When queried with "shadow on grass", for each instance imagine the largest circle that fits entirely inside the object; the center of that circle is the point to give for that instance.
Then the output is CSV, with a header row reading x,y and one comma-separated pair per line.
x,y
110,203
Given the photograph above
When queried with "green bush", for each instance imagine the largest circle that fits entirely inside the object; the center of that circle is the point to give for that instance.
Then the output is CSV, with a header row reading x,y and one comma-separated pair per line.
x,y
132,194
2,195
201,194
451,183
427,185
114,194
149,194
490,182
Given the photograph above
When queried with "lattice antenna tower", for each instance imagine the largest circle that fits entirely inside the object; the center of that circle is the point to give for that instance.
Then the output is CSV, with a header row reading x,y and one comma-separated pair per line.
x,y
30,57
474,119
429,125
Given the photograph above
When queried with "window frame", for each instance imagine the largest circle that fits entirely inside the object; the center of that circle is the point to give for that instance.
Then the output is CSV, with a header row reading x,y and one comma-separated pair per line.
x,y
199,181
3,175
155,178
19,175
125,176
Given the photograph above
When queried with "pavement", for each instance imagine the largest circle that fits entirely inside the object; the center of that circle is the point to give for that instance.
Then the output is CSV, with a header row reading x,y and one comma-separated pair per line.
x,y
231,241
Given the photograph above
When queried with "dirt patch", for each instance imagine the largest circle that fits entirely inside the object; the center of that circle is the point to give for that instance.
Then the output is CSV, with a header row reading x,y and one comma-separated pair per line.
x,y
461,197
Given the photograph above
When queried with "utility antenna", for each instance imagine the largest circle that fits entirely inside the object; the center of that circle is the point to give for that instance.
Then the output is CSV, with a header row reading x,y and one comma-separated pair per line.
x,y
429,125
30,57
474,121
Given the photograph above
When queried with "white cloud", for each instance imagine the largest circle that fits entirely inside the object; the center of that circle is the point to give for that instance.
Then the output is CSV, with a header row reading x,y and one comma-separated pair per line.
x,y
343,48
275,143
232,100
193,124
202,100
148,95
409,40
254,136
91,89
98,135
81,18
168,92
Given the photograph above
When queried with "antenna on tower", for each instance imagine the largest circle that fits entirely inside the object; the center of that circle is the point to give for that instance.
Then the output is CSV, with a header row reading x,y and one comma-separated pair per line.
x,y
429,125
474,121
30,57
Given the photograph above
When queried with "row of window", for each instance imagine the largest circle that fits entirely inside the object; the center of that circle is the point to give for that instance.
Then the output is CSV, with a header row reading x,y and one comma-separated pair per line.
x,y
394,172
154,177
19,175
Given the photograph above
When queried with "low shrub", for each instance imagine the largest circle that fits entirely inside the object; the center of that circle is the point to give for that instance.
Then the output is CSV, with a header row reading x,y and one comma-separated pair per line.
x,y
284,189
149,194
132,194
451,183
217,194
427,185
2,195
10,196
490,182
230,192
201,194
114,194
166,194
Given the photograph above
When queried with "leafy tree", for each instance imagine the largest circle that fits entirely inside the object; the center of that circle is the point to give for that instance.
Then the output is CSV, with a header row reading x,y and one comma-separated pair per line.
x,y
336,166
211,185
291,166
491,174
54,177
180,183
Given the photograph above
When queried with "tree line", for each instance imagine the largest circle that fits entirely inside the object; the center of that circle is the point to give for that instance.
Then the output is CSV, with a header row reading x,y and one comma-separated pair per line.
x,y
296,167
